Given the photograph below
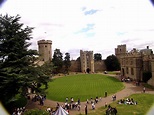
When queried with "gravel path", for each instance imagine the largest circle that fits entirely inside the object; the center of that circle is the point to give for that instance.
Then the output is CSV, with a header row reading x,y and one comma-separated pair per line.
x,y
130,88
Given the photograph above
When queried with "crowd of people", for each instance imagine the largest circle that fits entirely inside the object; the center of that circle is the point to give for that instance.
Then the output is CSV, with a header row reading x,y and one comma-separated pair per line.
x,y
70,104
126,79
114,97
40,98
111,110
19,111
127,101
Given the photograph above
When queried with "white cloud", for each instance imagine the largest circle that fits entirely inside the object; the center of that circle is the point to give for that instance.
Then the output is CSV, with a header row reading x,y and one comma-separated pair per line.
x,y
115,22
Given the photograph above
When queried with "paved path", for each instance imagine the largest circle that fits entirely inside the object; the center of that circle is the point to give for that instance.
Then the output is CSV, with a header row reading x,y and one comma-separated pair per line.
x,y
130,88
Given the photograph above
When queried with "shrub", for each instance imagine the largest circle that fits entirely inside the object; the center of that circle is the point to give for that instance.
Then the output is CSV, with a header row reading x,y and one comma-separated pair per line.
x,y
146,76
36,112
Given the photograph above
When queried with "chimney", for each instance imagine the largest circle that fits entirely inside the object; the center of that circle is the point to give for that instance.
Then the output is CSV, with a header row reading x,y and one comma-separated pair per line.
x,y
147,47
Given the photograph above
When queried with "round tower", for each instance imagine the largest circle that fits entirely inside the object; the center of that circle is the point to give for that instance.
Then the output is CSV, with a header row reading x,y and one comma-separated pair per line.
x,y
45,50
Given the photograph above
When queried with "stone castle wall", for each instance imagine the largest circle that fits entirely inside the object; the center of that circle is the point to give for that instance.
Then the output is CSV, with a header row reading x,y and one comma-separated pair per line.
x,y
151,81
87,61
75,66
99,66
135,62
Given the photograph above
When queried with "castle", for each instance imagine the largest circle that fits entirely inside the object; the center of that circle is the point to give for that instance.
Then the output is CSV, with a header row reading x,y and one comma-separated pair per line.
x,y
86,58
45,50
87,61
133,63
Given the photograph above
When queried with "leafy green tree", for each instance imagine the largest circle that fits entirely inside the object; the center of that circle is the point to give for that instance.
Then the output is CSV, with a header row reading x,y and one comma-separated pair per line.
x,y
36,112
97,57
146,76
112,63
17,69
47,68
57,61
67,62
78,59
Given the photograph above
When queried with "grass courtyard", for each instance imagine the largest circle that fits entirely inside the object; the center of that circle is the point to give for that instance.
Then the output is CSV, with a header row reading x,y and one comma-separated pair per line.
x,y
145,102
83,86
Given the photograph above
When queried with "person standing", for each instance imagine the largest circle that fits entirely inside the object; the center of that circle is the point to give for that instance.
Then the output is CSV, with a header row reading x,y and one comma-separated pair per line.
x,y
105,104
66,99
78,101
105,94
86,110
143,89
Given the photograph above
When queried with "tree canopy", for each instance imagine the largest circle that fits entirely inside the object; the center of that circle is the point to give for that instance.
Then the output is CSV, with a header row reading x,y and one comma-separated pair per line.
x,y
67,62
97,57
17,69
112,63
57,60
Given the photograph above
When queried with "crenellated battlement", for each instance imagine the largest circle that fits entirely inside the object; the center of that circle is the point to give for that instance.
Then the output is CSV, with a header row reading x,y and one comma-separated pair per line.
x,y
87,60
45,50
133,54
44,42
135,62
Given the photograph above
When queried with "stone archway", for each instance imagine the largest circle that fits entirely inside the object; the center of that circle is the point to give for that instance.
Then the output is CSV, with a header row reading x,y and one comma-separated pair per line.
x,y
88,70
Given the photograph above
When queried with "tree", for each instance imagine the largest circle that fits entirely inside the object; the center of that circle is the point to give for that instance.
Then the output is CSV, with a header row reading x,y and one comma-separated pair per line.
x,y
57,60
78,59
97,57
47,68
46,71
17,68
67,62
112,63
36,112
146,76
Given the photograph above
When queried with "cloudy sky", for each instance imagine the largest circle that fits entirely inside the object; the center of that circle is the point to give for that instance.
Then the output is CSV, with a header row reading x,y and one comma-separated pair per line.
x,y
97,25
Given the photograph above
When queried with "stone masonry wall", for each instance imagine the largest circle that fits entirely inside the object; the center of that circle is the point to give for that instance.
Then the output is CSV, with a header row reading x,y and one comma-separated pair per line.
x,y
98,65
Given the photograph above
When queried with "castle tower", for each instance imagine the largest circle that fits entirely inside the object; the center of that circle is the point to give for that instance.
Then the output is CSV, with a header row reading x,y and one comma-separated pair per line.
x,y
120,51
151,81
45,50
87,61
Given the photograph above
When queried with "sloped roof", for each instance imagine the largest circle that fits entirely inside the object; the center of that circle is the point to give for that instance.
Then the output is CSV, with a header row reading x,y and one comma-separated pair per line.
x,y
61,111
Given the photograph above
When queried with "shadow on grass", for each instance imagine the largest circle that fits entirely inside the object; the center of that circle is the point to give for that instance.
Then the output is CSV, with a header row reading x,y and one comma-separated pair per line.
x,y
113,79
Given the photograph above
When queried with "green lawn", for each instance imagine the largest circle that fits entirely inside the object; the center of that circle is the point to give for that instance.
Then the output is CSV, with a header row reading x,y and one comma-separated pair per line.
x,y
83,86
145,102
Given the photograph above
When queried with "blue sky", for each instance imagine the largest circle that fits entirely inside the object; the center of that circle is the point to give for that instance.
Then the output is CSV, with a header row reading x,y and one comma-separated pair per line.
x,y
97,25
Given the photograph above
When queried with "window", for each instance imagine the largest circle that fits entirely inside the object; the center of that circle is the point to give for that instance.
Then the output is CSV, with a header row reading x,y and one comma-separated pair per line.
x,y
127,70
126,61
131,62
132,71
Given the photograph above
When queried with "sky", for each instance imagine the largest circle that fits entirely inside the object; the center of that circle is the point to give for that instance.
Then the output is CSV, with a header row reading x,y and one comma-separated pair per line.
x,y
88,25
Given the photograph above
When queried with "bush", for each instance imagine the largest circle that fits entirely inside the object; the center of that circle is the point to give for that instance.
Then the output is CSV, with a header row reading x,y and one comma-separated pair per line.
x,y
16,102
36,112
146,76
